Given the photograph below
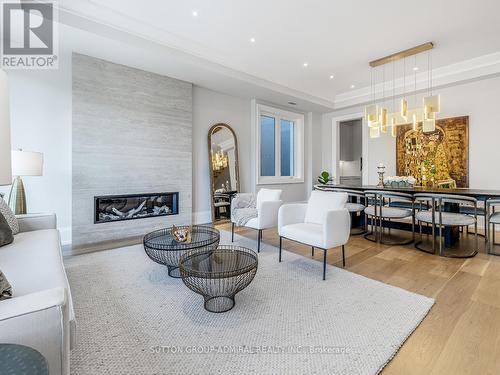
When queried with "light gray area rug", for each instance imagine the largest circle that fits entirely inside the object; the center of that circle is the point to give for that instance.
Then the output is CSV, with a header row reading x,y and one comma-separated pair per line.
x,y
134,319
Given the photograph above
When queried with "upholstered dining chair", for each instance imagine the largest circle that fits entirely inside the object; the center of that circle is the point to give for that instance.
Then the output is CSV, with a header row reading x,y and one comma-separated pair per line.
x,y
267,204
492,219
438,218
323,222
355,208
382,209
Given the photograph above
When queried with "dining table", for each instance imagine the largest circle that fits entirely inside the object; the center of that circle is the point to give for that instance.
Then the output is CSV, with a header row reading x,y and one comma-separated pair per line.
x,y
451,235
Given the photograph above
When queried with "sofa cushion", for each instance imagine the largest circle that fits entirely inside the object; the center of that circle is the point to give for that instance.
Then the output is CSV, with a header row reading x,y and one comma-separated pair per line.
x,y
5,288
9,216
34,263
321,202
6,236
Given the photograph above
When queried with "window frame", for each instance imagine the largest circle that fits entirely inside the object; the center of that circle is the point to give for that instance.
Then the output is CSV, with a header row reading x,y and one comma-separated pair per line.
x,y
298,144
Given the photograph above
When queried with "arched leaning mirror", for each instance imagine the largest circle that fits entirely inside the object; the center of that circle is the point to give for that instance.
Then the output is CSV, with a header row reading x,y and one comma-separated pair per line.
x,y
224,173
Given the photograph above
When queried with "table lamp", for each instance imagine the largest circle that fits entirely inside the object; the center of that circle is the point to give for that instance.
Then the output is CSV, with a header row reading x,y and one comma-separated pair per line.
x,y
5,163
24,163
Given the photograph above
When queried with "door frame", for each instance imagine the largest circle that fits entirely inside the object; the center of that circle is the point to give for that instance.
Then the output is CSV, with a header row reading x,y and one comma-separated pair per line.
x,y
336,144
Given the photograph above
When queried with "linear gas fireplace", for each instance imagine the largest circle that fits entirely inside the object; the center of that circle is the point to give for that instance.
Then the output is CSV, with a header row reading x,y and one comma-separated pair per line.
x,y
109,208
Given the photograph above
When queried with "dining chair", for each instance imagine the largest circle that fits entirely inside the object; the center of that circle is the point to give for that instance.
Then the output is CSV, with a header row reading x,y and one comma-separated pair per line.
x,y
354,208
492,219
438,219
380,210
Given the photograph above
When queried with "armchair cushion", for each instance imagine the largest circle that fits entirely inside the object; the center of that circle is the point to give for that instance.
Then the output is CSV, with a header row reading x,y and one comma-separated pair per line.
x,y
291,213
268,195
321,202
308,233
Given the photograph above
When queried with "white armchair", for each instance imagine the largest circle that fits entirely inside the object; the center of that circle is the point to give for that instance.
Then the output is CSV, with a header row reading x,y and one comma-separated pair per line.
x,y
267,204
323,222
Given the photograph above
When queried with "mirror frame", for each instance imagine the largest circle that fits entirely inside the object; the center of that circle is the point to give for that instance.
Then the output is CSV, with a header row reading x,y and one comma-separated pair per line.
x,y
236,162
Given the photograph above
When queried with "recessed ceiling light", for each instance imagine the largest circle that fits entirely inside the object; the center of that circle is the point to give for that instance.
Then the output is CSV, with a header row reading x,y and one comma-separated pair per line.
x,y
331,77
252,40
305,65
195,13
415,68
353,86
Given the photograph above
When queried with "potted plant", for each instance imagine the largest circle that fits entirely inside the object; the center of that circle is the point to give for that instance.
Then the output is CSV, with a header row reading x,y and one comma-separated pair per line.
x,y
324,178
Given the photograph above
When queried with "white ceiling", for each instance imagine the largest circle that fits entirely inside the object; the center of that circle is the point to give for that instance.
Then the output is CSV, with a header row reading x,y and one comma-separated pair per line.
x,y
333,37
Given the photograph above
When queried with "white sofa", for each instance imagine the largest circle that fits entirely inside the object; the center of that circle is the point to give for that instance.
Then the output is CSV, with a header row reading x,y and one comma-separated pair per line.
x,y
40,314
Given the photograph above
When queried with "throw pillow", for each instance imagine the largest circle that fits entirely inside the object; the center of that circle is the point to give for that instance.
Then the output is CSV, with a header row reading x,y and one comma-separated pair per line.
x,y
9,216
6,236
5,288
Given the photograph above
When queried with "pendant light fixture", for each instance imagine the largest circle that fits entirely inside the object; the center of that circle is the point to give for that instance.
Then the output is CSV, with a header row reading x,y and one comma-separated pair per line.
x,y
384,117
414,117
431,102
395,113
379,118
404,103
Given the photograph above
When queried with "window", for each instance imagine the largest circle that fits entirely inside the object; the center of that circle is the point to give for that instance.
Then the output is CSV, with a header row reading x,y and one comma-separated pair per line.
x,y
287,147
280,137
267,145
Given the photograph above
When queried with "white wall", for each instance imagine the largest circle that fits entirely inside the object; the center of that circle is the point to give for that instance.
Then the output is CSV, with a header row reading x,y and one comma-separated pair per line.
x,y
40,102
479,100
210,108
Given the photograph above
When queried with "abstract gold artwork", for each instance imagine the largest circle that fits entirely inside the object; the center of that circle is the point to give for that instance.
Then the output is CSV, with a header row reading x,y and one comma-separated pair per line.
x,y
436,159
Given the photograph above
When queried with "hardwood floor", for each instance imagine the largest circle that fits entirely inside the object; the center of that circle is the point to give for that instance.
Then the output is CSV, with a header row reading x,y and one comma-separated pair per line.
x,y
461,334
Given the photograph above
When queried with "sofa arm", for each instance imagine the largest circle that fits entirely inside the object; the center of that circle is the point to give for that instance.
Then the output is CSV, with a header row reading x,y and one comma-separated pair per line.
x,y
291,213
31,222
40,321
336,228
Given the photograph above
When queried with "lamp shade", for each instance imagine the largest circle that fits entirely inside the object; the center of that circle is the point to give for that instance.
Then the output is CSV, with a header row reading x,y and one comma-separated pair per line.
x,y
5,162
27,163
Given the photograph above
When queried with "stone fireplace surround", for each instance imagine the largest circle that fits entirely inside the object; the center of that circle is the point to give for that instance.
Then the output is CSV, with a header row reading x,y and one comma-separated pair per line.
x,y
132,133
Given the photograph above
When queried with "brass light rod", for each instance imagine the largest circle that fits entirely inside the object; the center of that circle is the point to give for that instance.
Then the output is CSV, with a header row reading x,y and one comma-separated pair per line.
x,y
402,54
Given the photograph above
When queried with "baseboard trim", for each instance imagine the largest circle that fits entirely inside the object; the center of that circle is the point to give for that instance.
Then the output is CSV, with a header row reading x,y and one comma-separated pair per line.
x,y
101,246
65,236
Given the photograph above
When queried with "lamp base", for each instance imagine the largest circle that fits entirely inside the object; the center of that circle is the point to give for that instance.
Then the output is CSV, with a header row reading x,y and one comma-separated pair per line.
x,y
17,197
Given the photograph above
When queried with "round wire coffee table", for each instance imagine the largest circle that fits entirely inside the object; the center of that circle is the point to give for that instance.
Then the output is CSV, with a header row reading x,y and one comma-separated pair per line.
x,y
218,274
161,246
